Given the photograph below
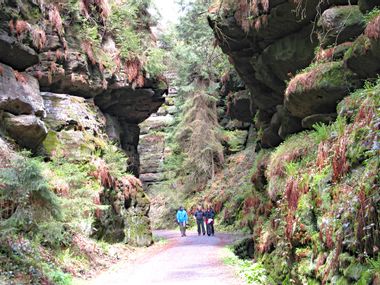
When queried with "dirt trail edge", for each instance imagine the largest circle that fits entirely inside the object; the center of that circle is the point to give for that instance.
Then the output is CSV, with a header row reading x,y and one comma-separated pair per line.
x,y
182,260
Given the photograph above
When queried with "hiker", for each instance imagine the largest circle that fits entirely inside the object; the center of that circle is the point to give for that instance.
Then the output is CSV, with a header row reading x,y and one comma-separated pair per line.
x,y
209,215
182,220
199,217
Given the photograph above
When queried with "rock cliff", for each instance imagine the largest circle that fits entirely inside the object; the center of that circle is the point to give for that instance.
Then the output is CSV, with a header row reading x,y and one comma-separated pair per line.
x,y
297,58
68,87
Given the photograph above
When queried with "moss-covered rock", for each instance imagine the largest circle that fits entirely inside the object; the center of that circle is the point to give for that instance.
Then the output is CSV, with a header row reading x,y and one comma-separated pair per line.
x,y
235,140
363,57
318,90
27,130
339,24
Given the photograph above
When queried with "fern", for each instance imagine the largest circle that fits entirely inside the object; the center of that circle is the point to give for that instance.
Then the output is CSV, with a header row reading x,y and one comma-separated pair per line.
x,y
24,185
322,132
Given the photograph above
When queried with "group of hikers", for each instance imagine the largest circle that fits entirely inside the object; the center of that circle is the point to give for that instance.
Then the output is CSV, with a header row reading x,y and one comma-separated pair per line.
x,y
201,216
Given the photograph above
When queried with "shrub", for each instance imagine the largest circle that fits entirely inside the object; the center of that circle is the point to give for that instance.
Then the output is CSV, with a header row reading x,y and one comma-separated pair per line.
x,y
23,184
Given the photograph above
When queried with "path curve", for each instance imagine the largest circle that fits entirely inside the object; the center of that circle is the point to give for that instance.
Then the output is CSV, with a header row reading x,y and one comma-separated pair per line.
x,y
195,260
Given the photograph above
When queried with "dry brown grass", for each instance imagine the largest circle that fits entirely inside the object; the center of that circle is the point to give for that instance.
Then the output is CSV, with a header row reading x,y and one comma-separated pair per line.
x,y
340,164
373,29
20,77
55,19
303,80
87,48
39,38
323,154
199,138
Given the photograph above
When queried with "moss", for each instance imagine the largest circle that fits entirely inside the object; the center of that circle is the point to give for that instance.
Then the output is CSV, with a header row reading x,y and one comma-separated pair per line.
x,y
235,140
51,142
341,281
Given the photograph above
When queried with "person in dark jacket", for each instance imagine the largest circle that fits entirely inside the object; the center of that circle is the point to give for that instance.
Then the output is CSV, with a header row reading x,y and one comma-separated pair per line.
x,y
199,217
209,216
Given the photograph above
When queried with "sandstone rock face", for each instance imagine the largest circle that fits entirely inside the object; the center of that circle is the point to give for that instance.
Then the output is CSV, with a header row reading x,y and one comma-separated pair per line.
x,y
27,130
240,106
127,219
77,128
74,125
59,59
99,94
340,23
152,145
16,54
319,90
19,93
269,44
65,111
152,151
309,121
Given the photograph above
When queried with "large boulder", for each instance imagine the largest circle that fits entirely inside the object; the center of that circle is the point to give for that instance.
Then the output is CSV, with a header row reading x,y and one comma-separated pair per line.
x,y
309,121
76,126
288,124
339,24
15,53
240,106
319,90
19,93
72,112
27,130
132,105
364,56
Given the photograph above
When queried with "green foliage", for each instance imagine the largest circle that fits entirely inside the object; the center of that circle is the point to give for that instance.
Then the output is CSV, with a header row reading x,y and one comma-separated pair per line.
x,y
253,272
199,138
371,15
60,278
116,160
339,126
191,43
24,184
235,139
322,132
155,62
77,191
121,23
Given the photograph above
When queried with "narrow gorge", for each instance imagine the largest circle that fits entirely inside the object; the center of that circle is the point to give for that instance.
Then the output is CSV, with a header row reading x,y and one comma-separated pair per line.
x,y
114,113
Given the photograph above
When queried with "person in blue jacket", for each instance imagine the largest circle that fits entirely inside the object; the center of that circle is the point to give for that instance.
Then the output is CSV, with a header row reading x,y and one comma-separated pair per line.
x,y
182,219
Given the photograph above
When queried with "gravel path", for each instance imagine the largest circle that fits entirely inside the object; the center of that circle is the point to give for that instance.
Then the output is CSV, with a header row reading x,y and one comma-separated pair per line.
x,y
194,260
